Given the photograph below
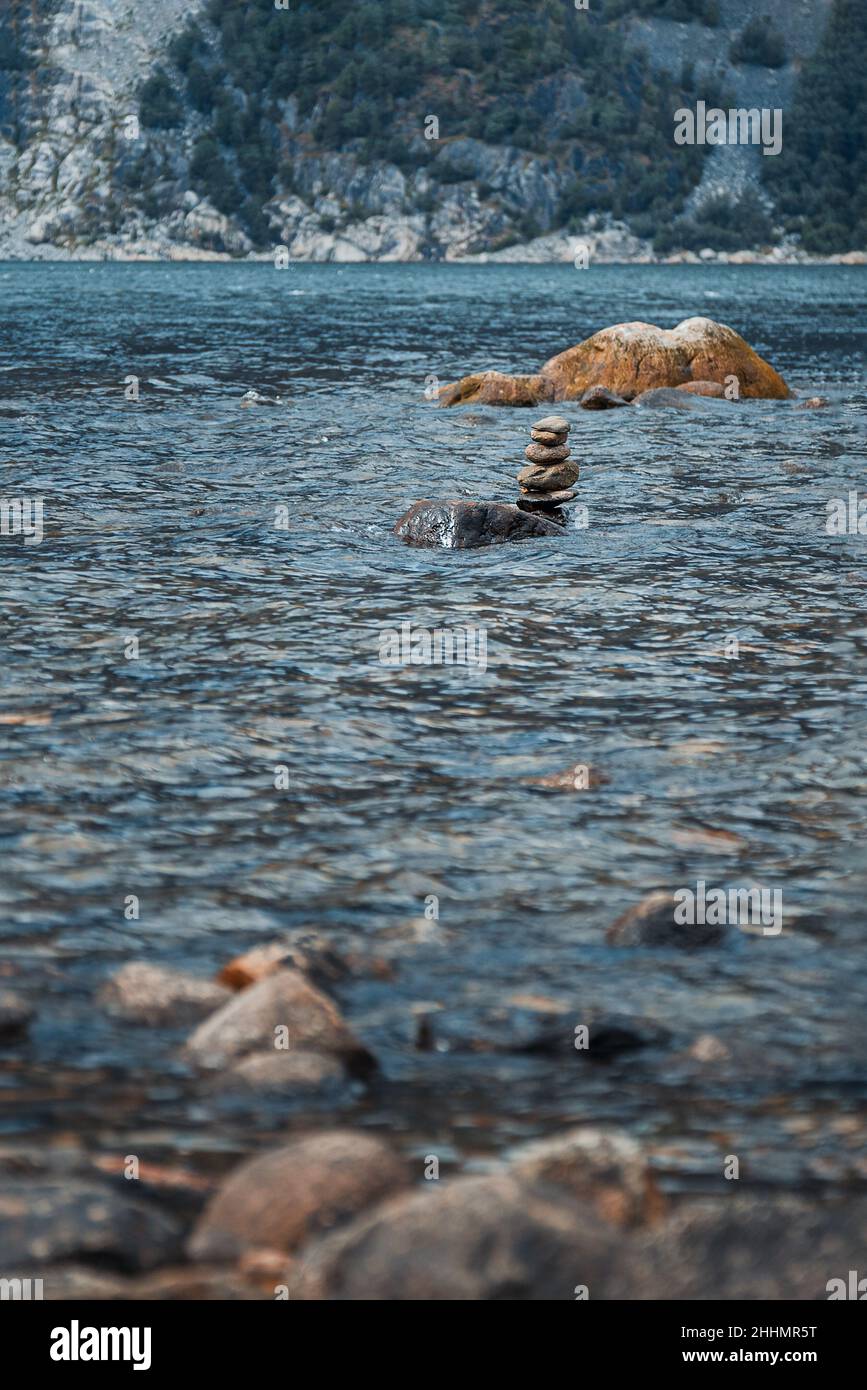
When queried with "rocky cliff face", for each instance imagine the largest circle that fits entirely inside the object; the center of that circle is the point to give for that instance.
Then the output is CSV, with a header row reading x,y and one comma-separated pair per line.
x,y
82,174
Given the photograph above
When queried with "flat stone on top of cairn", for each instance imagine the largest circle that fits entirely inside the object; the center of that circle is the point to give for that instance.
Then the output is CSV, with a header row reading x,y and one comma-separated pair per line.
x,y
547,480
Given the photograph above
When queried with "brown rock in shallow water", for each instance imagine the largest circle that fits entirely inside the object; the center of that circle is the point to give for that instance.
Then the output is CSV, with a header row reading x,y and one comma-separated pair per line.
x,y
248,1024
281,1198
254,965
579,777
463,525
496,388
633,357
548,438
303,949
539,479
142,993
703,388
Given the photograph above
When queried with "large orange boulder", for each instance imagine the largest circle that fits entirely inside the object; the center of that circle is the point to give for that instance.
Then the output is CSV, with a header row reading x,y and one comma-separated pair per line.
x,y
628,359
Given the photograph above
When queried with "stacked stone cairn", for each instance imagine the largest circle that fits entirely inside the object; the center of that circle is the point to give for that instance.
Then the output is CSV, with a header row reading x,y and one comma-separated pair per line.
x,y
546,482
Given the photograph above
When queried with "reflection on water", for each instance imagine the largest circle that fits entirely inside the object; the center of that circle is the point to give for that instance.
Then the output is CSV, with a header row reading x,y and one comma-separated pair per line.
x,y
259,647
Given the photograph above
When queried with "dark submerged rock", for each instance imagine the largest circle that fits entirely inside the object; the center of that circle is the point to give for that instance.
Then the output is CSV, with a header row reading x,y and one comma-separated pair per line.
x,y
651,922
463,525
15,1016
46,1221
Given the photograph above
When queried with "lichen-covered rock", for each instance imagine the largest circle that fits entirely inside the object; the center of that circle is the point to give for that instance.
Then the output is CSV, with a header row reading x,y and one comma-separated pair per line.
x,y
463,525
630,358
281,1198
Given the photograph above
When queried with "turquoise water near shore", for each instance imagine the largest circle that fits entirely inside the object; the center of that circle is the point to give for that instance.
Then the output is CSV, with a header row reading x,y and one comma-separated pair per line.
x,y
259,647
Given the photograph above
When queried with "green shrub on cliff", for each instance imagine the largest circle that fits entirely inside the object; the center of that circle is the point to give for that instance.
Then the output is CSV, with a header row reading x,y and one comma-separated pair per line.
x,y
706,11
364,79
760,43
723,224
159,106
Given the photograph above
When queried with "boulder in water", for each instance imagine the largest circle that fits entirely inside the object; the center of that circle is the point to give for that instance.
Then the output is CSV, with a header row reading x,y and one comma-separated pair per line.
x,y
627,359
459,524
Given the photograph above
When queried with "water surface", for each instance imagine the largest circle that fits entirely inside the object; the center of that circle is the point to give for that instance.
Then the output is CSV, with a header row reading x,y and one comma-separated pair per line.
x,y
259,647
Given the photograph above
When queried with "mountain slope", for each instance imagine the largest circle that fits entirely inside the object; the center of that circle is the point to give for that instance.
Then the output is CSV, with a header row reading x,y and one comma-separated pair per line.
x,y
394,129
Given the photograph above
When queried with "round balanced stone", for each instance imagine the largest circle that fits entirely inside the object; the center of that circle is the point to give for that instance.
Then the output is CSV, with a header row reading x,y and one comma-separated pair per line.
x,y
538,479
540,453
553,424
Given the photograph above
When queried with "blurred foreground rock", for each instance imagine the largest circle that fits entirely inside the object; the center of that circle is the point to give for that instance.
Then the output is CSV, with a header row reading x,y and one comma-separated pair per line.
x,y
45,1221
476,1238
281,1198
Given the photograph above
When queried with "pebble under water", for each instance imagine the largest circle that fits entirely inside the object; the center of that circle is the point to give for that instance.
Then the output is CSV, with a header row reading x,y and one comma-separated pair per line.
x,y
259,647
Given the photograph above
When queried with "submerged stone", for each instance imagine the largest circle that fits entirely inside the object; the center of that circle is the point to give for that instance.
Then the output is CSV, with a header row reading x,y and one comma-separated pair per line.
x,y
463,525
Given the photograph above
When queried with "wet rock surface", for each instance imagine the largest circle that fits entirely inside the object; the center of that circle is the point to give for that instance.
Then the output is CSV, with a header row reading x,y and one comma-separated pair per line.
x,y
462,525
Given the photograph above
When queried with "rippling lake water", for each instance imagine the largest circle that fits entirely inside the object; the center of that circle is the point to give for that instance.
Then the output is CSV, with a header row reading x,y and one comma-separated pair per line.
x,y
259,647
